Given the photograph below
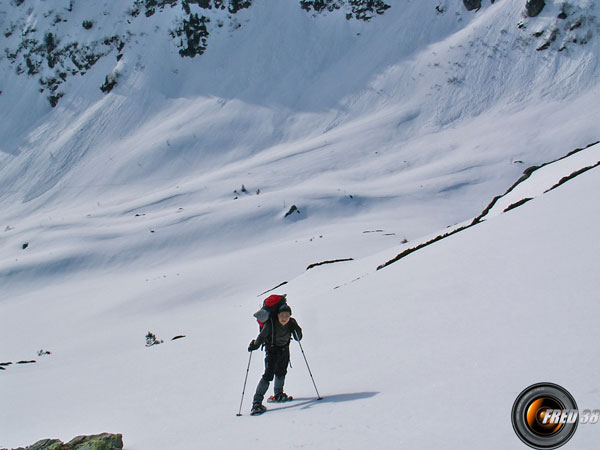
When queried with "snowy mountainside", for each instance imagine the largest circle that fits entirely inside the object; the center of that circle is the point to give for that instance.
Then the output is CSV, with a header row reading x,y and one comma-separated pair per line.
x,y
452,324
165,191
345,119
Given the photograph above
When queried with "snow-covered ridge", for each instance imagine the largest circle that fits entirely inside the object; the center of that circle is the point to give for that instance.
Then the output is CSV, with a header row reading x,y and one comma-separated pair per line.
x,y
536,180
542,179
53,42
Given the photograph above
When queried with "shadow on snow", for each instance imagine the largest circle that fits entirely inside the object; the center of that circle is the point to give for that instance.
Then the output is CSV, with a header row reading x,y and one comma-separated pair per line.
x,y
308,402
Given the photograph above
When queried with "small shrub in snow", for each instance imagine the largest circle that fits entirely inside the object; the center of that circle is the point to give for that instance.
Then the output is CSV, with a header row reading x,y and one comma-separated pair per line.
x,y
193,33
358,9
364,9
152,340
320,5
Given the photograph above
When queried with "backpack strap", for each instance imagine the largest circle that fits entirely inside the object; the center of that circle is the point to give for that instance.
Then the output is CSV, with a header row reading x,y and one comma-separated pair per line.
x,y
272,331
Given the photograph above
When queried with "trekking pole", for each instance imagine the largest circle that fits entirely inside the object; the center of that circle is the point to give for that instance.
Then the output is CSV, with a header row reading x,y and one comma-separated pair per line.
x,y
244,390
311,375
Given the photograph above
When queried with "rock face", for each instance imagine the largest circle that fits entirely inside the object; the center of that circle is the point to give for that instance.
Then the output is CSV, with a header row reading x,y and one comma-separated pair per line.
x,y
39,41
472,4
358,9
104,441
534,7
46,444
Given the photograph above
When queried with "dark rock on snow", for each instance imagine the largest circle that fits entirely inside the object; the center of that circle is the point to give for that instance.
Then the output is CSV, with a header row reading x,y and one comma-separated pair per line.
x,y
472,4
293,209
534,7
104,441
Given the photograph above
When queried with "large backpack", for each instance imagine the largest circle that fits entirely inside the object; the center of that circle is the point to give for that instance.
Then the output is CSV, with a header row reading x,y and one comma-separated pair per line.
x,y
269,309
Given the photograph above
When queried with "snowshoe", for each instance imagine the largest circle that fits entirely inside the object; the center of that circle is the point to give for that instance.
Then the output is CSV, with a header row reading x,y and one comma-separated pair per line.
x,y
280,398
257,409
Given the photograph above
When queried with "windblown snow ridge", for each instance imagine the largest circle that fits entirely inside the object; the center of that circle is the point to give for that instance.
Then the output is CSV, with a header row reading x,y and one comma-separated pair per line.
x,y
522,191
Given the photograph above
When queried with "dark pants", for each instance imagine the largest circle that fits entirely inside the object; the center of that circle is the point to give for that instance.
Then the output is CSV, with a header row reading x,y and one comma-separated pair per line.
x,y
276,363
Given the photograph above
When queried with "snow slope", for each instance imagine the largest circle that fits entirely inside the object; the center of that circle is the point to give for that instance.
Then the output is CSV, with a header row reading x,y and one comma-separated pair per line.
x,y
405,130
382,134
428,352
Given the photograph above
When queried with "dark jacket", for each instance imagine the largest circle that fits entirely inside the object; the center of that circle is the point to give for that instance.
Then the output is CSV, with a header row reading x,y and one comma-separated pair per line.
x,y
273,334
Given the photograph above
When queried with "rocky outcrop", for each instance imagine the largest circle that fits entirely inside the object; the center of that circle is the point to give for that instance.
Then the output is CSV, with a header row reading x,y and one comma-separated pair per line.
x,y
39,42
472,4
104,441
293,209
534,7
358,9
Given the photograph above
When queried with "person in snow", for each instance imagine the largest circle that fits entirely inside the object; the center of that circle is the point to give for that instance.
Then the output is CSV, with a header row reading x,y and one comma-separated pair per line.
x,y
276,335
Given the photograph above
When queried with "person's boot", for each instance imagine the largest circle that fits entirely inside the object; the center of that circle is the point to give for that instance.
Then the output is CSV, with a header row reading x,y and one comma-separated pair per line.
x,y
257,408
280,398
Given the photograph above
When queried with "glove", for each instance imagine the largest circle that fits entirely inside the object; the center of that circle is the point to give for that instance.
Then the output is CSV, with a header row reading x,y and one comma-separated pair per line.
x,y
253,346
297,335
